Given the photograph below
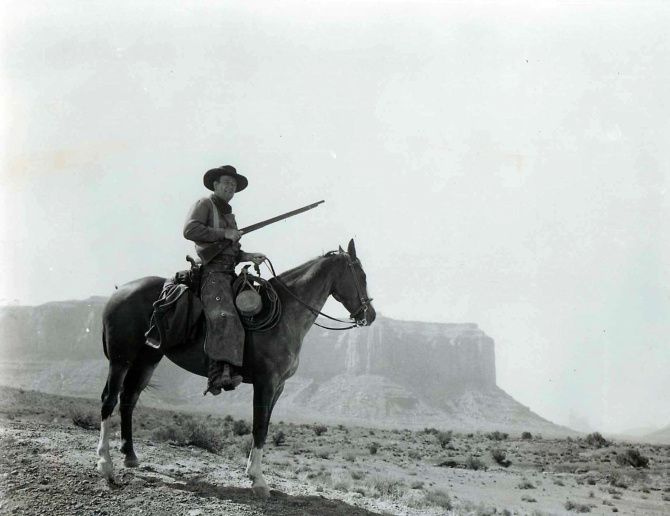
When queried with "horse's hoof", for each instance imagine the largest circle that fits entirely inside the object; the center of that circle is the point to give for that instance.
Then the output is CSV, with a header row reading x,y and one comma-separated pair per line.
x,y
131,461
106,469
261,491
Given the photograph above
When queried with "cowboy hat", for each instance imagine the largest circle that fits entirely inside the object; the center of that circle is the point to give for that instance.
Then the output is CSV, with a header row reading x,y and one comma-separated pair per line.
x,y
225,170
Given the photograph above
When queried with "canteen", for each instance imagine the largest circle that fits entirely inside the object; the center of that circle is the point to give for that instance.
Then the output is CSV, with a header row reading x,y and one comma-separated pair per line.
x,y
249,302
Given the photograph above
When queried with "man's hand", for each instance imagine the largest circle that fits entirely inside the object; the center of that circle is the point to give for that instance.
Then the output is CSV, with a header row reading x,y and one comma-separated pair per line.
x,y
232,234
257,258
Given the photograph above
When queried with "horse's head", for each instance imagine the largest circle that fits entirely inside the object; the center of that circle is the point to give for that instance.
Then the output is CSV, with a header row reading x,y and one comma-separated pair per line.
x,y
350,288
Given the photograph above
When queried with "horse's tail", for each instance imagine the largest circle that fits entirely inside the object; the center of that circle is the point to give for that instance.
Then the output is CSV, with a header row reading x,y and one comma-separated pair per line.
x,y
104,341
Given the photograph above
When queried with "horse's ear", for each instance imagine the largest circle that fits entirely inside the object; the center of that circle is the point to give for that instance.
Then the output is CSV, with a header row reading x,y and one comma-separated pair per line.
x,y
351,249
340,248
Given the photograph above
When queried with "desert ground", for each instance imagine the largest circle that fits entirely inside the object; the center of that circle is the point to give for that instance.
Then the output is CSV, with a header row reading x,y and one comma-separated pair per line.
x,y
194,465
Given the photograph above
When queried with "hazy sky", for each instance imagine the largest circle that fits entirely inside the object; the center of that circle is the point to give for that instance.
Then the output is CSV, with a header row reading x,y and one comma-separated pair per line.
x,y
498,163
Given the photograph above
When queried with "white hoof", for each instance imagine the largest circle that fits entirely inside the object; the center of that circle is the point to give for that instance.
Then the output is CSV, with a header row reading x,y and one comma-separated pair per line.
x,y
106,469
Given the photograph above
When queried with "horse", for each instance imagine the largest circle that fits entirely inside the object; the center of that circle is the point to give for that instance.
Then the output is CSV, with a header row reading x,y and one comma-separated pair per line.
x,y
270,358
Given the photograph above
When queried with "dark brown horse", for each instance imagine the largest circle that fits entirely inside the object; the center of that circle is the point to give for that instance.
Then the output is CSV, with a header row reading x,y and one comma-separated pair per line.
x,y
269,359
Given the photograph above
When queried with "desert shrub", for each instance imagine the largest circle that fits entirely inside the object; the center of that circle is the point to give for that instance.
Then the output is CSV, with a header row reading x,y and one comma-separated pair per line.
x,y
414,454
438,498
322,477
576,507
429,431
357,474
497,436
187,431
373,448
474,463
228,418
500,456
596,440
323,453
84,418
480,509
387,486
342,485
444,438
449,463
349,457
417,484
204,436
616,479
320,429
526,435
279,438
632,457
170,432
525,484
241,427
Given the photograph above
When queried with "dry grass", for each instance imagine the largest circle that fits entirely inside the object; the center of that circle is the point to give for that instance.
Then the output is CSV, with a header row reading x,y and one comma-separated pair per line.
x,y
576,507
388,487
84,418
438,498
188,431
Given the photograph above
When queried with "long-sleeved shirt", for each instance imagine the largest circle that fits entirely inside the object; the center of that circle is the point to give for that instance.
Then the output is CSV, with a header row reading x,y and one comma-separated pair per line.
x,y
207,230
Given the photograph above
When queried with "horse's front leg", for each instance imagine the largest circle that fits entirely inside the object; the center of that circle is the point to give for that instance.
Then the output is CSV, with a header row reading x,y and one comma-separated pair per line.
x,y
265,397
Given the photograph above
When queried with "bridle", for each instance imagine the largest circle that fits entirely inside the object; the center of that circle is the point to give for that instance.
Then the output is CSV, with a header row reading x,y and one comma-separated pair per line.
x,y
364,300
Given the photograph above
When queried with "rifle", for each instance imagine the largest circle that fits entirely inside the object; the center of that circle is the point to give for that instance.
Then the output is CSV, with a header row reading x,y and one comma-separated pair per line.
x,y
211,251
283,216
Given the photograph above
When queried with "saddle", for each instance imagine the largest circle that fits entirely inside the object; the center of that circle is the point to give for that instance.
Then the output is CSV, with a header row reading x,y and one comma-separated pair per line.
x,y
178,316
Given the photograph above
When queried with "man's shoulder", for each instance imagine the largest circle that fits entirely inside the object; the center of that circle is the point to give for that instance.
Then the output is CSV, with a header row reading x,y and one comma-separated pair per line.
x,y
203,201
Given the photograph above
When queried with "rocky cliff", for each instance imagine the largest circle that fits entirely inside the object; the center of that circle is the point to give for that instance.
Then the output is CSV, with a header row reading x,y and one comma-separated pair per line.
x,y
394,373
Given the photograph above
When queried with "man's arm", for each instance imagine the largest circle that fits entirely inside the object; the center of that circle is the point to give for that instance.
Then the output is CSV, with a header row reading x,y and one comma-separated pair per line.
x,y
196,228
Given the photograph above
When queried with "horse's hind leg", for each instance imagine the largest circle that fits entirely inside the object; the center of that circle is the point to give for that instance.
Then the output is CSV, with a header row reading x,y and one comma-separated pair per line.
x,y
136,380
117,373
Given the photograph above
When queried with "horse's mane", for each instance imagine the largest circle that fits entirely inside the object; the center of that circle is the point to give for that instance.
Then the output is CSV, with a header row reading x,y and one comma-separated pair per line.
x,y
306,270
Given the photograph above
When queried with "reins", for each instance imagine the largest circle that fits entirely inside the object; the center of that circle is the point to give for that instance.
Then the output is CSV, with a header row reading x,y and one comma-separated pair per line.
x,y
311,308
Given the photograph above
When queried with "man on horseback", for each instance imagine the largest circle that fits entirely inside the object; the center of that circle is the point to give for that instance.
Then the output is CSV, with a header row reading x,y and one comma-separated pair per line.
x,y
211,225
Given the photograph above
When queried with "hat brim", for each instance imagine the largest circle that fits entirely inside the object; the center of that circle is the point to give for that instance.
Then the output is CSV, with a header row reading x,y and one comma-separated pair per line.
x,y
212,175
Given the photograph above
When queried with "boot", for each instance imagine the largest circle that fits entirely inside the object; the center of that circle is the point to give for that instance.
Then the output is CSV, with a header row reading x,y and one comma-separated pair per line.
x,y
230,379
214,377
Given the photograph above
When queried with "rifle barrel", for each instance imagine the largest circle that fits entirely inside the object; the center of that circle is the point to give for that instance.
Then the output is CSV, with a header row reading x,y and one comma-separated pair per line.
x,y
283,216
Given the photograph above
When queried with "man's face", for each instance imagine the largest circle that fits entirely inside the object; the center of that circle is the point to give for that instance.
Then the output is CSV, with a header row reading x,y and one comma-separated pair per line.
x,y
225,187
